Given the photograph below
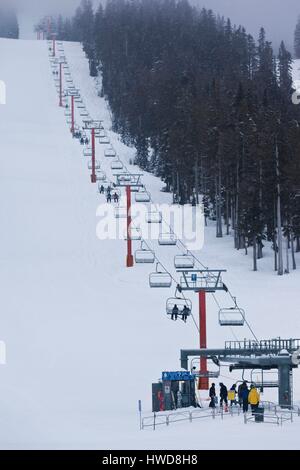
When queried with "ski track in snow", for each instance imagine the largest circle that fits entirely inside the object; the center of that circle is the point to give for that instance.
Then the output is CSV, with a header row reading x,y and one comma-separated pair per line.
x,y
85,336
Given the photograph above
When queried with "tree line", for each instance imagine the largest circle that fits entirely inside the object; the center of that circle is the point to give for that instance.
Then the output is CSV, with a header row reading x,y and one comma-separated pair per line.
x,y
208,109
9,27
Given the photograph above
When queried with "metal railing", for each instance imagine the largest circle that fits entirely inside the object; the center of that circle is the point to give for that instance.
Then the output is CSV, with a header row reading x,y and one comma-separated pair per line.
x,y
275,415
167,418
277,344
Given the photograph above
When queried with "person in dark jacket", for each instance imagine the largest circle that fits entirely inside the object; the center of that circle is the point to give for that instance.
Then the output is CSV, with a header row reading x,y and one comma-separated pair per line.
x,y
244,392
185,313
101,189
175,312
223,394
212,396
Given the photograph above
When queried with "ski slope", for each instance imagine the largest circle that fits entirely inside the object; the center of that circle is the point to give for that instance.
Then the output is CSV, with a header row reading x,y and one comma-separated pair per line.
x,y
85,336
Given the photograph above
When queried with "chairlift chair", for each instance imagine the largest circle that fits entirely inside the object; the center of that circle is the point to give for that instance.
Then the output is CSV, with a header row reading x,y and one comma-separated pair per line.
x,y
87,152
142,196
97,165
120,212
160,279
116,165
167,239
154,217
126,177
180,303
144,255
102,133
109,152
104,140
184,262
100,176
233,316
135,234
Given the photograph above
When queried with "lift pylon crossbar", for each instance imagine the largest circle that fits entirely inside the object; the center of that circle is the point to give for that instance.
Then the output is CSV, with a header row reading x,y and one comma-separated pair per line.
x,y
208,280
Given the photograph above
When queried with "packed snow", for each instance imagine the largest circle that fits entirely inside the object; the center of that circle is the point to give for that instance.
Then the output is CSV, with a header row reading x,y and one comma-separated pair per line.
x,y
86,336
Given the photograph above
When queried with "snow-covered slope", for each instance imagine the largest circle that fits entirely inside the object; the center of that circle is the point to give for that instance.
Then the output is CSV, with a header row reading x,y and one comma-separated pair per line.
x,y
85,336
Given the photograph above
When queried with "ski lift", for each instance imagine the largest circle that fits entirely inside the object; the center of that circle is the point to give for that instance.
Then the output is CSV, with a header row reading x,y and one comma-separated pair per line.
x,y
184,307
184,262
87,152
210,373
116,165
104,140
142,196
135,234
100,176
109,152
84,113
102,133
97,165
144,255
160,279
233,316
121,212
126,177
167,239
154,217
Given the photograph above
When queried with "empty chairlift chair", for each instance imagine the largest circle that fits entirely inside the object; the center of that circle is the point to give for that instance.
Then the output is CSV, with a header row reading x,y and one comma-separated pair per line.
x,y
233,316
104,140
160,279
154,217
135,234
87,152
109,152
101,176
167,239
184,262
97,165
144,255
116,165
120,212
142,196
178,307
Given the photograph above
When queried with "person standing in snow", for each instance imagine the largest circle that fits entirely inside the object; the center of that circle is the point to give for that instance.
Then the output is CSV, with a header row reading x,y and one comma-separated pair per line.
x,y
232,395
223,394
212,396
243,394
253,398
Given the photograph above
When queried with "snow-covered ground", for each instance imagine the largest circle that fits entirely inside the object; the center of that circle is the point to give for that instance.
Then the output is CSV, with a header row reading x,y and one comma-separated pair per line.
x,y
85,336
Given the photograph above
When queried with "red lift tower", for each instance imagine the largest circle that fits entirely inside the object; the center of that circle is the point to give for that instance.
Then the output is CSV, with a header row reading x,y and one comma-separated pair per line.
x,y
202,282
131,182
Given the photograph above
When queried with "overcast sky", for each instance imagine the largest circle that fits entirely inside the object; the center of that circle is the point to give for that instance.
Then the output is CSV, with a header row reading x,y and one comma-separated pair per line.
x,y
277,16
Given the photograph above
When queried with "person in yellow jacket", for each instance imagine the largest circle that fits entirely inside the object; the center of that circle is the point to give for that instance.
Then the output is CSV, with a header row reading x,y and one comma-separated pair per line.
x,y
253,398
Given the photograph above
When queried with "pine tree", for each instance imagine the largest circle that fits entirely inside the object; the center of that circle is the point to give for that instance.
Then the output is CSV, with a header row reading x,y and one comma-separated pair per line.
x,y
297,40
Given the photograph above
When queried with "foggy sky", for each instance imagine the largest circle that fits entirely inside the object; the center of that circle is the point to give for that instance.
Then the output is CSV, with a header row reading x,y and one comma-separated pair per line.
x,y
277,16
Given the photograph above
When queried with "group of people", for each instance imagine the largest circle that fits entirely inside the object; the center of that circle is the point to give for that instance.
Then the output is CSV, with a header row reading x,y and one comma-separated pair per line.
x,y
184,313
109,196
77,134
242,396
